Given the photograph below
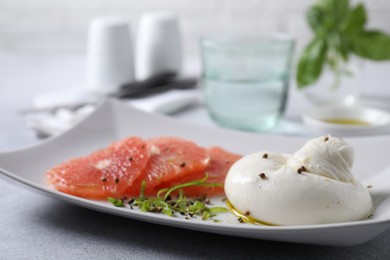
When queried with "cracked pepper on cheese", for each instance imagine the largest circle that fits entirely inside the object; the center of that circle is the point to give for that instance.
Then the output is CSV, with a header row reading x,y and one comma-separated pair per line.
x,y
313,186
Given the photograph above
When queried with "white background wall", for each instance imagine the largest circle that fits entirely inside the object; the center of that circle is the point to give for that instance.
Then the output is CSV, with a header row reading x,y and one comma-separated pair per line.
x,y
60,26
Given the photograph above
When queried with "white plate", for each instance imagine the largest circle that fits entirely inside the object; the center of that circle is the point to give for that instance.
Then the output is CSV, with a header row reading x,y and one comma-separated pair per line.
x,y
114,120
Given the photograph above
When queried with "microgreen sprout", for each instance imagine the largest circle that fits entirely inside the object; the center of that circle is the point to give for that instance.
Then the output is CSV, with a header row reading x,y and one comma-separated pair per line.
x,y
166,203
116,202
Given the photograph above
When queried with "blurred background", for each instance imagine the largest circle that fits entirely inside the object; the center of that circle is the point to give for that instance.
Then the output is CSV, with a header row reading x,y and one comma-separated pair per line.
x,y
43,42
60,27
46,26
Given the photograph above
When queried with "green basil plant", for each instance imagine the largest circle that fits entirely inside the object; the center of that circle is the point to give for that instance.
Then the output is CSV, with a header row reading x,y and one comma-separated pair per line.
x,y
339,32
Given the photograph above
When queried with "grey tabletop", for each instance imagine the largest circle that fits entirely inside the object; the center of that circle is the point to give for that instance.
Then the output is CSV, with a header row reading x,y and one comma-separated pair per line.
x,y
34,226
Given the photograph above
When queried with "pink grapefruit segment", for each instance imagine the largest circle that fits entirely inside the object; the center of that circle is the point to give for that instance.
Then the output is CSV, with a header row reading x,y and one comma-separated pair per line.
x,y
105,173
119,169
219,165
156,168
171,159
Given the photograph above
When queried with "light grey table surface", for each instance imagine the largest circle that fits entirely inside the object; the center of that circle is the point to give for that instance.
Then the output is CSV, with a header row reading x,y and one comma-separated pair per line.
x,y
34,226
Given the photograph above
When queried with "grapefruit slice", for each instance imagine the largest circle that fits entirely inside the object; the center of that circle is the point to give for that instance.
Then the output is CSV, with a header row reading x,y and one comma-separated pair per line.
x,y
156,168
220,163
171,160
105,173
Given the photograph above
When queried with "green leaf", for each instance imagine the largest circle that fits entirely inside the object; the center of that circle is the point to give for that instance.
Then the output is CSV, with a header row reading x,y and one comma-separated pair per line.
x,y
116,202
311,62
142,189
201,182
218,210
341,8
344,47
336,10
356,19
339,43
206,215
373,45
317,19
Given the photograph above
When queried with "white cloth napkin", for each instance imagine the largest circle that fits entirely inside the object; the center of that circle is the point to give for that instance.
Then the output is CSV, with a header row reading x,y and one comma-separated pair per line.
x,y
53,113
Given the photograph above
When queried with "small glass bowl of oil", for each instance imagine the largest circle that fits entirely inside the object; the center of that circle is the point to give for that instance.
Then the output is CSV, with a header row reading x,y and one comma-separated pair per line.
x,y
347,120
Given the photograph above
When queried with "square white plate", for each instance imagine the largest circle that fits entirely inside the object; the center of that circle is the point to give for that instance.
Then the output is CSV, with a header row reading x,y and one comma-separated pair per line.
x,y
114,120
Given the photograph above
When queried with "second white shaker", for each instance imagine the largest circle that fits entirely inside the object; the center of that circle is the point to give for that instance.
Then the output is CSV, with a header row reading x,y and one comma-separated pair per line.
x,y
109,55
158,45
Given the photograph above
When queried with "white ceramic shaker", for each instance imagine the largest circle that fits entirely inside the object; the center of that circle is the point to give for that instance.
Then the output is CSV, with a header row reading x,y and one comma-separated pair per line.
x,y
109,55
158,45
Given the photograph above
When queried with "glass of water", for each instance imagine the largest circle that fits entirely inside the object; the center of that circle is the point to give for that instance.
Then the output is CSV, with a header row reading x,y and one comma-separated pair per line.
x,y
245,79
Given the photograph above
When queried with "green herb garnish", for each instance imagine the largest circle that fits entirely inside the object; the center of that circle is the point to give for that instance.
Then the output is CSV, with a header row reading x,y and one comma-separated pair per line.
x,y
339,33
116,202
166,203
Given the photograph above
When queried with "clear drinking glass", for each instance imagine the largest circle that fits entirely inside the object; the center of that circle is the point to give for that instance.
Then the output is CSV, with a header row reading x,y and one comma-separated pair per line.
x,y
245,79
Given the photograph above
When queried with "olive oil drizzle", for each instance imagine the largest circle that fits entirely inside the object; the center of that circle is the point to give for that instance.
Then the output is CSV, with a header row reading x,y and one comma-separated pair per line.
x,y
346,121
246,218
